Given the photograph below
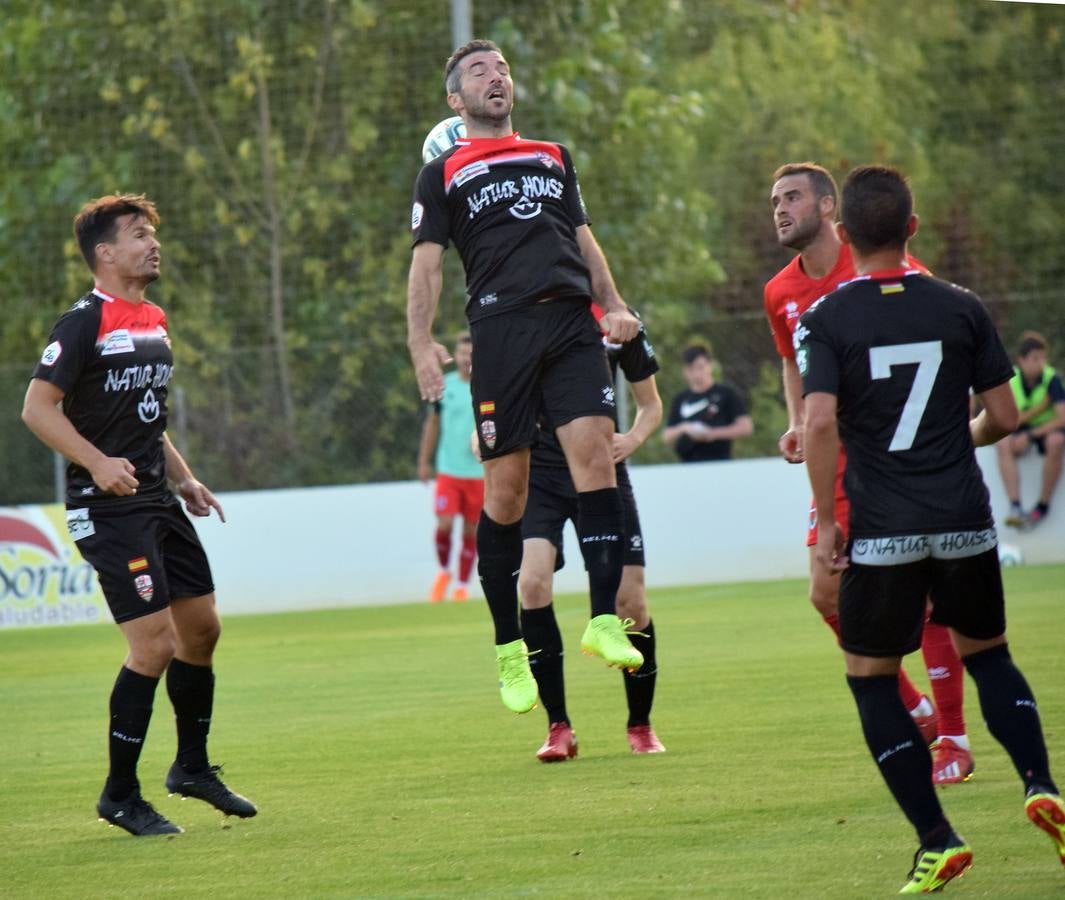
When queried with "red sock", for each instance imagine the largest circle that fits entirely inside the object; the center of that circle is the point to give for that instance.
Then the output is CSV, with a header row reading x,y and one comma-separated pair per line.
x,y
947,675
466,557
443,547
832,621
908,691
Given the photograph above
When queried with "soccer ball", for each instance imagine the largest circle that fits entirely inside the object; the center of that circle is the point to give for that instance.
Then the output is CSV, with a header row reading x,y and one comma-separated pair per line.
x,y
442,137
1010,555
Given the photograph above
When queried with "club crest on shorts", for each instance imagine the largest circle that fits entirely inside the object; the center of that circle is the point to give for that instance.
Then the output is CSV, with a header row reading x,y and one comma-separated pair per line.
x,y
488,433
145,588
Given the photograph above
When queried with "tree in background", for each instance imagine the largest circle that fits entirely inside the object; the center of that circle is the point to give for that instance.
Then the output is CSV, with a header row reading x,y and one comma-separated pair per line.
x,y
281,140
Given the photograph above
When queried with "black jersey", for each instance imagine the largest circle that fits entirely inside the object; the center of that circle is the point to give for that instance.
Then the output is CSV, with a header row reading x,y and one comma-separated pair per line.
x,y
717,407
112,360
901,350
635,358
512,208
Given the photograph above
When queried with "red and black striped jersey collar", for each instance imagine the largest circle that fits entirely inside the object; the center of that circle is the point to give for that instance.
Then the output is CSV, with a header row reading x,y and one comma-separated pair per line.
x,y
475,156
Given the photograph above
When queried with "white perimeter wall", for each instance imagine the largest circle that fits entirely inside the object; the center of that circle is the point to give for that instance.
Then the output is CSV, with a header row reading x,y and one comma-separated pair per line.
x,y
373,544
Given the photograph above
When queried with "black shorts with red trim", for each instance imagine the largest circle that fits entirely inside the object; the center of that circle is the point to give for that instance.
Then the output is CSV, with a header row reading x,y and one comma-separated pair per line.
x,y
546,358
553,501
145,553
882,607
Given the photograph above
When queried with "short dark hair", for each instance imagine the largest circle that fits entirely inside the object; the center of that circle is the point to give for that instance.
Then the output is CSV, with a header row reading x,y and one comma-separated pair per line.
x,y
97,221
693,352
876,208
452,75
1030,342
463,337
821,179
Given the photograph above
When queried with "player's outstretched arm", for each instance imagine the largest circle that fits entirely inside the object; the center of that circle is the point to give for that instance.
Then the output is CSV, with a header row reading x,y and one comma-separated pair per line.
x,y
617,322
998,417
41,413
647,419
199,501
423,294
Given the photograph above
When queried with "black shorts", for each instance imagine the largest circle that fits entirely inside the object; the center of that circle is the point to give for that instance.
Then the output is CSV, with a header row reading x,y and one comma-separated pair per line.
x,y
549,357
553,501
882,608
1040,442
146,553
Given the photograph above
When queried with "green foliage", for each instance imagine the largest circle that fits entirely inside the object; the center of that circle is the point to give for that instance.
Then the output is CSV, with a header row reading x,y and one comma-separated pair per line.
x,y
280,139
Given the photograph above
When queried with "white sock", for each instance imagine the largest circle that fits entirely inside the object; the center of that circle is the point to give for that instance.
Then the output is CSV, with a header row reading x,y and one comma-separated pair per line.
x,y
924,708
962,740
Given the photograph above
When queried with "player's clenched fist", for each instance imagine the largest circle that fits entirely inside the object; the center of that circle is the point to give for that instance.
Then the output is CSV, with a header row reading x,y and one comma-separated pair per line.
x,y
115,475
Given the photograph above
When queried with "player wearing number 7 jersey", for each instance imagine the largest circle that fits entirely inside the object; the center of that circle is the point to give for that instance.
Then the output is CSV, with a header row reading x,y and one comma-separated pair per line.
x,y
804,201
887,364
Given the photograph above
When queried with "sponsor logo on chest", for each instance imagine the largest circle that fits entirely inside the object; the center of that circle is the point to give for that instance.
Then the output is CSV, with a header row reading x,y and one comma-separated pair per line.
x,y
117,341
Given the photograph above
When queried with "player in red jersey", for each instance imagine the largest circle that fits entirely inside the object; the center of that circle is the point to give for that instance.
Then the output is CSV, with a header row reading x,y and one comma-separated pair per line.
x,y
804,200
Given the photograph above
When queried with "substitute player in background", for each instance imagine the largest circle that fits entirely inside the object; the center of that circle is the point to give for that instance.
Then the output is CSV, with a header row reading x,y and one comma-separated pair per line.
x,y
108,362
887,362
448,430
514,211
804,210
553,501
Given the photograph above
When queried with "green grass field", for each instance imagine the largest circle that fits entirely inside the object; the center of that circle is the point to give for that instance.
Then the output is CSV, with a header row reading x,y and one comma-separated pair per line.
x,y
384,765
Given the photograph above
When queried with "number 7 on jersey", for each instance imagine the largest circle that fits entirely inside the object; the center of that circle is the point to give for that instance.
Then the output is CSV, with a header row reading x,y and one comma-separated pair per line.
x,y
927,355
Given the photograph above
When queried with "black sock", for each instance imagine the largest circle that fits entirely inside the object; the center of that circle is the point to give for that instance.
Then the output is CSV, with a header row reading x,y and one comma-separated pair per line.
x,y
544,641
901,754
601,531
1043,508
191,690
1011,714
640,685
498,562
131,711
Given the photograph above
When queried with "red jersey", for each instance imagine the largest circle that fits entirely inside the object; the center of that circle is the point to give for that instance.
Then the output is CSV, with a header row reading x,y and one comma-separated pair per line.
x,y
788,294
791,292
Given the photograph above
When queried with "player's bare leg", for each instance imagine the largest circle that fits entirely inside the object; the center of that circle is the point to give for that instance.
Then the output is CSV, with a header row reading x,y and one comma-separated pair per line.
x,y
588,444
444,526
544,640
640,685
824,595
506,488
467,556
1007,451
190,685
151,642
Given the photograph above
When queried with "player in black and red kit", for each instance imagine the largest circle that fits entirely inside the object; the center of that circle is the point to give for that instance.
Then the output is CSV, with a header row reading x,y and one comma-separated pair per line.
x,y
513,209
109,363
892,357
553,501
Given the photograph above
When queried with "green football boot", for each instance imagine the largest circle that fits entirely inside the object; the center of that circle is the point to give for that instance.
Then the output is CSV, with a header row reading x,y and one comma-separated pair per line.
x,y
605,636
934,868
1046,811
517,687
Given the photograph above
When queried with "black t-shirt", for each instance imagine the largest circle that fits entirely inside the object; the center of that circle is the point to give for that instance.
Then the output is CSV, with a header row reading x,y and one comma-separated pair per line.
x,y
512,208
717,407
635,358
112,360
901,350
